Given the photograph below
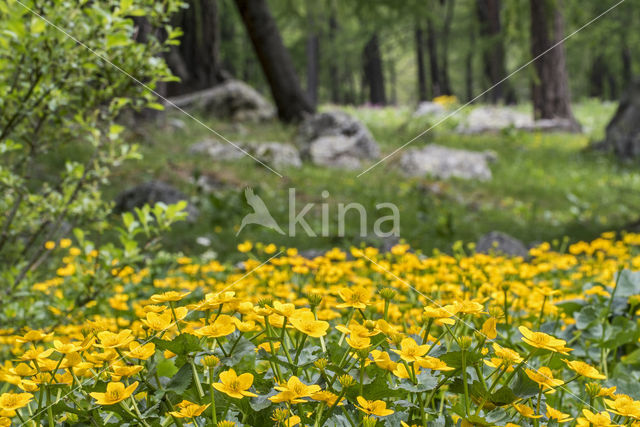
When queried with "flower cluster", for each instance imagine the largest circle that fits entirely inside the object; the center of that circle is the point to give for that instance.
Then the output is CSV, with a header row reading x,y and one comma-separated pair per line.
x,y
357,338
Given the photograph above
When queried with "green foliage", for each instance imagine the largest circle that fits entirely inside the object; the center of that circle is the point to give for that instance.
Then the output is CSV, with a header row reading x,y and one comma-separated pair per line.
x,y
63,84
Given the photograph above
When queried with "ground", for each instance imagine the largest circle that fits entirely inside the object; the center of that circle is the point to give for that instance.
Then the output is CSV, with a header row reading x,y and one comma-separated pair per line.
x,y
545,185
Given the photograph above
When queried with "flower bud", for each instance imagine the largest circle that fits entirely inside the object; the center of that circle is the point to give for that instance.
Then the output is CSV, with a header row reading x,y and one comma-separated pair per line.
x,y
210,361
388,293
465,342
346,380
321,364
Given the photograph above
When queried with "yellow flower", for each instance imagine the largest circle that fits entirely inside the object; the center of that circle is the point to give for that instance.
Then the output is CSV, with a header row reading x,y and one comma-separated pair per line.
x,y
116,392
544,377
294,391
410,351
285,310
306,323
400,371
65,243
142,352
525,411
327,397
356,297
543,341
112,340
32,336
584,369
169,296
442,315
5,422
590,419
624,405
359,343
373,407
49,245
233,385
382,360
489,328
158,322
245,246
560,417
433,363
13,401
189,409
222,327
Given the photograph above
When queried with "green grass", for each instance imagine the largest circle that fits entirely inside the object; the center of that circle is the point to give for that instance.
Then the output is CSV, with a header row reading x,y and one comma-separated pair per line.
x,y
545,186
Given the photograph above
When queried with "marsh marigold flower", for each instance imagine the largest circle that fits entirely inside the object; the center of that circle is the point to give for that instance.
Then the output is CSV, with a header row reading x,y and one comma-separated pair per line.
x,y
624,405
113,340
235,386
373,407
116,392
544,377
584,369
189,409
543,341
559,417
12,401
590,419
306,323
410,351
294,391
356,297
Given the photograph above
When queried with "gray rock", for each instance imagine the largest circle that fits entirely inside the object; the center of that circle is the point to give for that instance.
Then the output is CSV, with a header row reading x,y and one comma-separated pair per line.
x,y
335,139
428,108
494,119
443,163
232,99
499,242
276,154
217,150
151,193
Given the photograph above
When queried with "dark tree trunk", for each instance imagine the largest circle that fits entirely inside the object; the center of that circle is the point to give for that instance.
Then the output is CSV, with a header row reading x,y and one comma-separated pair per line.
x,y
196,60
313,58
625,54
373,74
623,131
468,68
334,76
313,54
422,78
444,68
493,55
393,80
550,90
434,69
290,99
596,77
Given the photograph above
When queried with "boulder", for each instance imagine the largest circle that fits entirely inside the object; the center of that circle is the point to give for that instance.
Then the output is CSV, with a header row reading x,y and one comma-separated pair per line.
x,y
335,139
217,150
232,99
443,163
151,192
499,242
623,131
276,154
495,119
428,108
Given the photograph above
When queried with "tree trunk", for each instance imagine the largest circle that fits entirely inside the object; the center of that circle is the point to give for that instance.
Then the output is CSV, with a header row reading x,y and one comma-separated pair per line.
x,y
469,64
196,60
290,99
444,68
313,58
550,90
596,77
493,55
434,69
334,72
373,74
422,78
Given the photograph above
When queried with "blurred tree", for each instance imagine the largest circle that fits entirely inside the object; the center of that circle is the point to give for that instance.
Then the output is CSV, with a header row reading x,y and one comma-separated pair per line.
x,y
196,60
290,99
550,89
422,78
493,54
313,54
373,74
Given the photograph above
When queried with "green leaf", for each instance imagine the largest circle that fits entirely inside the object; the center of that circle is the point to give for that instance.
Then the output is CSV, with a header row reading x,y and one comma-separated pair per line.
x,y
182,345
628,284
181,380
166,368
